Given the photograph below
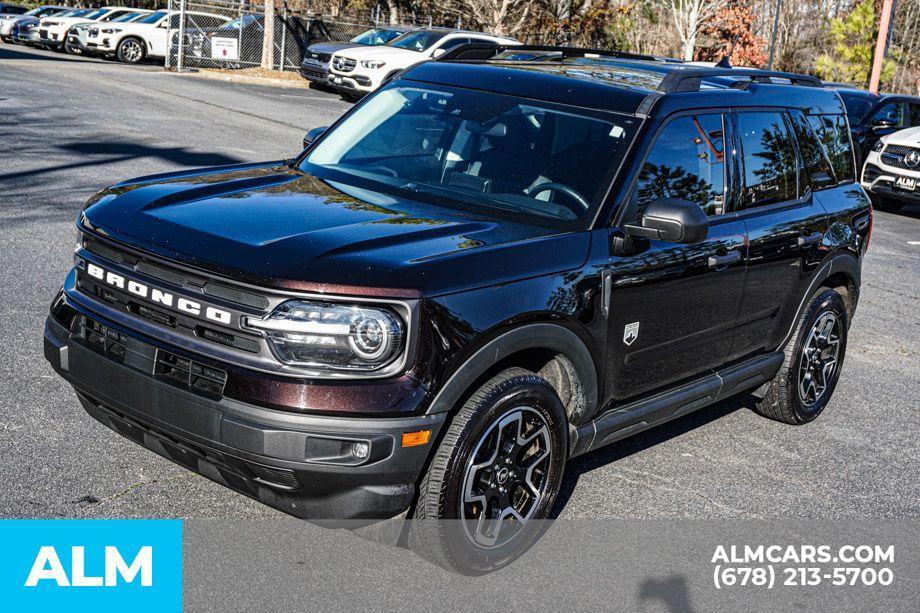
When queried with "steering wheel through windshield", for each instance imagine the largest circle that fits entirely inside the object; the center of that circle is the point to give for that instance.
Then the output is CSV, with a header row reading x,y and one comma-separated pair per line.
x,y
560,188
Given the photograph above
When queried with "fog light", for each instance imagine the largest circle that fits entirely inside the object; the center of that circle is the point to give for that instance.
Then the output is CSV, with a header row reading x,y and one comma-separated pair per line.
x,y
360,450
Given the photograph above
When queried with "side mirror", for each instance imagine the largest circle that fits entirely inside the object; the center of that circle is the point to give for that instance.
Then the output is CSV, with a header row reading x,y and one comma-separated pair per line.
x,y
437,53
312,135
671,220
884,124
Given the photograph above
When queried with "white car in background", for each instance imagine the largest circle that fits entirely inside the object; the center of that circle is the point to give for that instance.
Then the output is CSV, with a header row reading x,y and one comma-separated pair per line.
x,y
7,21
361,70
78,34
53,30
134,41
891,173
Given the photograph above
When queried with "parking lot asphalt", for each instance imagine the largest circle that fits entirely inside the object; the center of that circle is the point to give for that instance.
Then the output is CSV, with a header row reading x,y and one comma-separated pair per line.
x,y
69,127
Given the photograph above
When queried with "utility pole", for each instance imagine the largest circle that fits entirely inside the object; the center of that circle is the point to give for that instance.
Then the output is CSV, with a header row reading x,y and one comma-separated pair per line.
x,y
881,46
779,5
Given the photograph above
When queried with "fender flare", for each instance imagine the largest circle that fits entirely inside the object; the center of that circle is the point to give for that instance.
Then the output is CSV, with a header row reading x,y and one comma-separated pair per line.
x,y
532,336
844,262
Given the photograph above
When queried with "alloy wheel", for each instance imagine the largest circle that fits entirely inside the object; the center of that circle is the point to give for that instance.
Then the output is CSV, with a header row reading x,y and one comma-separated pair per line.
x,y
131,51
818,363
506,477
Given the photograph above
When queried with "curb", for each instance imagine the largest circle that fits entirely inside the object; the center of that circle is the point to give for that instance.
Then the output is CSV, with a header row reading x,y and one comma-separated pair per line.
x,y
245,79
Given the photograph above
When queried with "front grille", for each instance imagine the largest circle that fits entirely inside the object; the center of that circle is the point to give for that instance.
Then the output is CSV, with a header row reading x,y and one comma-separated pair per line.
x,y
94,32
344,64
893,155
179,278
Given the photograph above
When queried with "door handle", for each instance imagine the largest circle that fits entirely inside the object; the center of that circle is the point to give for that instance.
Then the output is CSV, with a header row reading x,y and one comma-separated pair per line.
x,y
811,239
721,261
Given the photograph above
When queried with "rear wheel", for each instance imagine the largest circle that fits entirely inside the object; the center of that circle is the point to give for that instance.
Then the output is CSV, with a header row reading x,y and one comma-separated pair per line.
x,y
131,51
494,477
813,359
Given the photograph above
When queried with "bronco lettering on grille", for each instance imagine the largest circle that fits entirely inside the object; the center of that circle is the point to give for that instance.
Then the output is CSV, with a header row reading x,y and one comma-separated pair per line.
x,y
158,296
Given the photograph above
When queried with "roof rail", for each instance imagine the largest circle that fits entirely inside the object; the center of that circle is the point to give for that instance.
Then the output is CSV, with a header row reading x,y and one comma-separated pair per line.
x,y
689,79
486,51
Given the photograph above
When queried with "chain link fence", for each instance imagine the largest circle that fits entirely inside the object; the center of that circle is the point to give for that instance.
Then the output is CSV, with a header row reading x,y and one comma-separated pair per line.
x,y
231,34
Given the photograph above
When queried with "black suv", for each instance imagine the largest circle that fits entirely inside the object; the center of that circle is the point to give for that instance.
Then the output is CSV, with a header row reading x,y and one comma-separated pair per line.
x,y
482,270
875,115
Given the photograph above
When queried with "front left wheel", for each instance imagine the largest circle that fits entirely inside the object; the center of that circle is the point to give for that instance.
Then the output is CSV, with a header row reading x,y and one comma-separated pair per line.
x,y
131,51
494,477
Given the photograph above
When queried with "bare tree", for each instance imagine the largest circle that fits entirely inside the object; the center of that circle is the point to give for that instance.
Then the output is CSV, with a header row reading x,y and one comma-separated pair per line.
x,y
501,17
689,18
268,36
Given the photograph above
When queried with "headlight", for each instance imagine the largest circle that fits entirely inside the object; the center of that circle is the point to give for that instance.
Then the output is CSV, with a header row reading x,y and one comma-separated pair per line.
x,y
111,31
373,63
332,336
878,146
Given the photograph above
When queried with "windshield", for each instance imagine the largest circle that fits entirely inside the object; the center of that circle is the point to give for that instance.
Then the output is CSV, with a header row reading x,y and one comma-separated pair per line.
x,y
376,36
418,41
75,13
152,17
97,14
241,22
482,152
126,17
857,106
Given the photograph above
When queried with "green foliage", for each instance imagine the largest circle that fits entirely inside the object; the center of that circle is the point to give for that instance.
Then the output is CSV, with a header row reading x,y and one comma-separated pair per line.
x,y
853,38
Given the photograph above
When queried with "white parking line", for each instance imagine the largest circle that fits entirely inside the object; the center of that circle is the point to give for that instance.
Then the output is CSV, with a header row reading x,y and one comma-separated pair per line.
x,y
913,242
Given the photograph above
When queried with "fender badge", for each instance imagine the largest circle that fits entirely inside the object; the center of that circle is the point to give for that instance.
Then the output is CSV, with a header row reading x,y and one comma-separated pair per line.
x,y
631,333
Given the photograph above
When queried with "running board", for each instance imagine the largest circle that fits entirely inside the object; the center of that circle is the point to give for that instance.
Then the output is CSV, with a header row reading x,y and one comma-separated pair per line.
x,y
621,422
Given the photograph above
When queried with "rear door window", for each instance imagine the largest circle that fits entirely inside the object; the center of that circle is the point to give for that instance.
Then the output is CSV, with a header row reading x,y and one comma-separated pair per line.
x,y
687,162
818,169
834,136
769,158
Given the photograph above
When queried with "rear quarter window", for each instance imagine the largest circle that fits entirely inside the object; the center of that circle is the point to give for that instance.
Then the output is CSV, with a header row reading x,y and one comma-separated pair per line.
x,y
834,136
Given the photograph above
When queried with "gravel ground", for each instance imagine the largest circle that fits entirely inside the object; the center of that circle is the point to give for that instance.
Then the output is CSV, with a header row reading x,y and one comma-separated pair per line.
x,y
69,127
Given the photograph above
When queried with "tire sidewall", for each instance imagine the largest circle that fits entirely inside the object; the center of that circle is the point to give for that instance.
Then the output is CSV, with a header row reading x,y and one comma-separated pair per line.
x,y
519,392
826,301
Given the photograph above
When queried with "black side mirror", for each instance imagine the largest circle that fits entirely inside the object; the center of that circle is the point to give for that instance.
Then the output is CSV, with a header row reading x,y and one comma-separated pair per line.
x,y
312,135
671,220
884,124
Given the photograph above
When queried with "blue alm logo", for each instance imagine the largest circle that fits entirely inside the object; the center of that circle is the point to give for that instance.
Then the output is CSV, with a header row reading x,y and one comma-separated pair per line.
x,y
101,565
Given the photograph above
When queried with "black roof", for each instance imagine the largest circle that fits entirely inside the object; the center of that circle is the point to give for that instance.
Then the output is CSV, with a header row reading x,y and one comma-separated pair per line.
x,y
623,82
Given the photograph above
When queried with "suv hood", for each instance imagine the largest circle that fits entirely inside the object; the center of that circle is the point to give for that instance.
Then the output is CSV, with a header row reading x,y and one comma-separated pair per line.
x,y
909,137
332,47
269,224
382,53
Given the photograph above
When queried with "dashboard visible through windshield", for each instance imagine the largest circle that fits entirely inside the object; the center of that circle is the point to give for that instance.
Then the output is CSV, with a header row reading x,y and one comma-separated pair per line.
x,y
482,152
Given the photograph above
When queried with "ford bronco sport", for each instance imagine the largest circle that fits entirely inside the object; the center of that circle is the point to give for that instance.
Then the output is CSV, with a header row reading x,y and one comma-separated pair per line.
x,y
482,270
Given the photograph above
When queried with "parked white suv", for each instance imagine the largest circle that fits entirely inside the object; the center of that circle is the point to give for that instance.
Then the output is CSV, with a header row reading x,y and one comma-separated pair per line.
x,y
891,173
361,70
53,30
146,37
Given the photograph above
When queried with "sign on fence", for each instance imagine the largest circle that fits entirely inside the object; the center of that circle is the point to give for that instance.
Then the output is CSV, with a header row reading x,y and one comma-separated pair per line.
x,y
225,48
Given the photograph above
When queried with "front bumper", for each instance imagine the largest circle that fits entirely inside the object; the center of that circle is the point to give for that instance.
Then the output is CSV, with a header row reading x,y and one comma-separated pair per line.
x,y
882,180
353,81
315,71
301,464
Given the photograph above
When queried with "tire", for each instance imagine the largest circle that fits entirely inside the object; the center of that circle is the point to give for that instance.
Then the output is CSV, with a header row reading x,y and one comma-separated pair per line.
x,y
478,451
67,48
131,50
802,387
